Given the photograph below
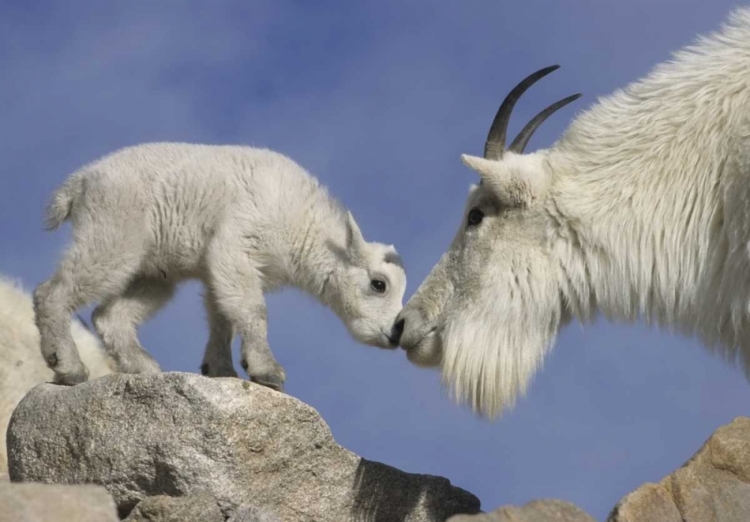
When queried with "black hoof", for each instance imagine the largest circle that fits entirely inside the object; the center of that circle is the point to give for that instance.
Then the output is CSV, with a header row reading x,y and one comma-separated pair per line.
x,y
70,379
204,369
269,382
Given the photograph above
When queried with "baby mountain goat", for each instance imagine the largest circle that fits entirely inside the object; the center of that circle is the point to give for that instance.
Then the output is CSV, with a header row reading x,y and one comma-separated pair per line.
x,y
244,221
640,210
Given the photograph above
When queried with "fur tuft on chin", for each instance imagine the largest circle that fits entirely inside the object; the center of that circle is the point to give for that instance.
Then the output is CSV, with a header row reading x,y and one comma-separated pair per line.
x,y
494,344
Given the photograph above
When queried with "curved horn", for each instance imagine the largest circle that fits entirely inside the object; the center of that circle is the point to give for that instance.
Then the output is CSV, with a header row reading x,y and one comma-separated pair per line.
x,y
525,135
495,144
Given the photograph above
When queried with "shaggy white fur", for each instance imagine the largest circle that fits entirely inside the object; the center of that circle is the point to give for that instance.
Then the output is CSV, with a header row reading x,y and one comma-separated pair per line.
x,y
21,364
244,221
640,210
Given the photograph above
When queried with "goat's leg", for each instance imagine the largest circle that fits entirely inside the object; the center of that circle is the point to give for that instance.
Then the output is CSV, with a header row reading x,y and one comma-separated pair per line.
x,y
251,318
89,271
217,359
257,359
239,297
117,319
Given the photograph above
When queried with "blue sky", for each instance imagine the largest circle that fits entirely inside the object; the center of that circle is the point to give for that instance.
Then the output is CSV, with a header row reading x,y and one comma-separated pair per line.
x,y
378,100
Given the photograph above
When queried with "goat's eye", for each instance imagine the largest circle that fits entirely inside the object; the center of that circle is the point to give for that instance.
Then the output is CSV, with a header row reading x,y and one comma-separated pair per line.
x,y
378,285
475,217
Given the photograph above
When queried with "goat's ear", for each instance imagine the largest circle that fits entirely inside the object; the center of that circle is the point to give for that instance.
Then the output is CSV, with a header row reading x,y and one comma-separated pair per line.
x,y
392,256
354,238
515,182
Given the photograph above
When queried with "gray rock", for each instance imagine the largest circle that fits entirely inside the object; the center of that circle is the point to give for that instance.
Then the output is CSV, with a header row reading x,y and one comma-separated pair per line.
x,y
713,486
200,507
535,511
252,513
179,433
55,503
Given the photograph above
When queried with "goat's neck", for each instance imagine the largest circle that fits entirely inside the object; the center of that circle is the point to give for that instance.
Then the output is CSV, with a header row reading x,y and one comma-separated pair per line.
x,y
635,234
649,194
315,260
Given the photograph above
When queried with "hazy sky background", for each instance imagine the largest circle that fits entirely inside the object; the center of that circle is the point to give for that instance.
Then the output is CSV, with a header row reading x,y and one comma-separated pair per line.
x,y
378,100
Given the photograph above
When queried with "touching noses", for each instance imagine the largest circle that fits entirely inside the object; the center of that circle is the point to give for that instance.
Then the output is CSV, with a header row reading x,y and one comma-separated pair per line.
x,y
397,330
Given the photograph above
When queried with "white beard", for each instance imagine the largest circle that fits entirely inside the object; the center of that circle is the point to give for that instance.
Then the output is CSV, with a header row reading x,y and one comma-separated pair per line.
x,y
494,345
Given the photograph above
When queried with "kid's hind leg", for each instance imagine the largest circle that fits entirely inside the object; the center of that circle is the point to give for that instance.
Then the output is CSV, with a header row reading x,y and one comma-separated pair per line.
x,y
117,319
90,271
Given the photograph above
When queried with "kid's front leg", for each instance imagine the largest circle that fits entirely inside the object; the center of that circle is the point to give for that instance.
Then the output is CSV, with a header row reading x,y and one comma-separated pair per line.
x,y
238,290
256,357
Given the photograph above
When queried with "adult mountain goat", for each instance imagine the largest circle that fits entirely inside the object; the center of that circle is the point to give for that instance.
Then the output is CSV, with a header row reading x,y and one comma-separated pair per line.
x,y
640,210
244,221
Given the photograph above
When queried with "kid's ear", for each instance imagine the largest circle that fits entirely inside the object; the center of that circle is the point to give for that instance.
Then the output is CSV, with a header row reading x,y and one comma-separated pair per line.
x,y
354,238
392,256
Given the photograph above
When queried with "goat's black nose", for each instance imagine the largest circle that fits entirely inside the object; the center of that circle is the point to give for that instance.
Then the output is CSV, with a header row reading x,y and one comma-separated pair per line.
x,y
398,329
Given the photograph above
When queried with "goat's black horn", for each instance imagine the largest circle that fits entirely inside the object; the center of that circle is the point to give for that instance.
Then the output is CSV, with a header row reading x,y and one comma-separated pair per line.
x,y
525,135
495,144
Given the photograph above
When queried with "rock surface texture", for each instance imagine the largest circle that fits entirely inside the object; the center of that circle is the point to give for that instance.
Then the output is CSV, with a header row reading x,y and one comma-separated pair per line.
x,y
201,506
252,513
535,511
713,486
55,503
21,363
180,434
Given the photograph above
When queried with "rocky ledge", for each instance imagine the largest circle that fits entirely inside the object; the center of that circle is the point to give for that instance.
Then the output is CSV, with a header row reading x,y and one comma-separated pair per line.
x,y
180,447
258,454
